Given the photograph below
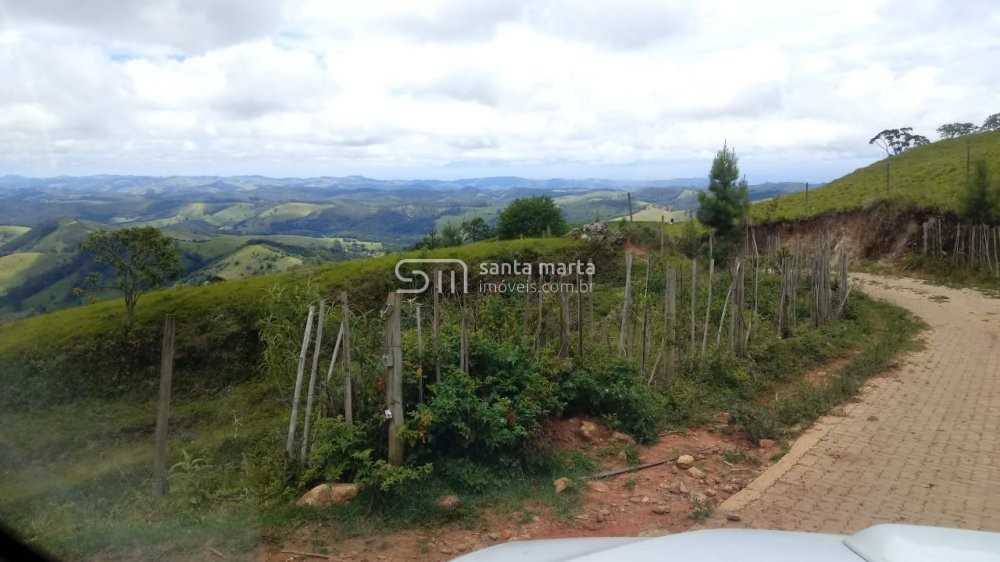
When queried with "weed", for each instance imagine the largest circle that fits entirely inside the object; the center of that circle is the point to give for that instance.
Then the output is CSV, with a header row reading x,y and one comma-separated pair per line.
x,y
702,509
736,456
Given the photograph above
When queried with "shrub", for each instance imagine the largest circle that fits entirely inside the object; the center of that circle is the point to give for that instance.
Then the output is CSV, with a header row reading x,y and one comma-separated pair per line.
x,y
616,391
492,412
757,421
333,454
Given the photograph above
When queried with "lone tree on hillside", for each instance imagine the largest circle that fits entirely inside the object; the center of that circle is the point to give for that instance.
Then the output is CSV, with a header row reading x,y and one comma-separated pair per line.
x,y
980,201
530,217
142,259
894,141
992,123
952,130
727,201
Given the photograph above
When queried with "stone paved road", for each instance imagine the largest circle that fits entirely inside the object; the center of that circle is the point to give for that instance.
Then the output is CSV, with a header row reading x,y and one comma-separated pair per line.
x,y
922,443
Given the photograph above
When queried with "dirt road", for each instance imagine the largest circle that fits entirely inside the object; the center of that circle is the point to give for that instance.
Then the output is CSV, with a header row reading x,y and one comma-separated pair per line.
x,y
920,445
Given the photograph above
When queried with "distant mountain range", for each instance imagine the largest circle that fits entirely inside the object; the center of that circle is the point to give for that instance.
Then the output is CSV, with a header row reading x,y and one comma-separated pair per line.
x,y
229,227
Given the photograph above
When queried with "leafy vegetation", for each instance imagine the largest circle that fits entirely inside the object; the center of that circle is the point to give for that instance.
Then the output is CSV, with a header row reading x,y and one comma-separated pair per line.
x,y
724,205
141,258
531,217
477,433
981,200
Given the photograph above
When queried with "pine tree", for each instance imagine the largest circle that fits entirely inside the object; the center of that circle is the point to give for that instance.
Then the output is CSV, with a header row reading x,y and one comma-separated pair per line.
x,y
726,202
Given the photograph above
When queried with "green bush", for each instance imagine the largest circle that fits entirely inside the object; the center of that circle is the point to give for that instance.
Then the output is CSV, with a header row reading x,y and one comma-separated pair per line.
x,y
616,391
333,455
492,412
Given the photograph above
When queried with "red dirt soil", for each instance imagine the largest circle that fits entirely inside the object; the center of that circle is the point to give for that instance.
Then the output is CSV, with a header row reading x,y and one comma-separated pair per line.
x,y
625,509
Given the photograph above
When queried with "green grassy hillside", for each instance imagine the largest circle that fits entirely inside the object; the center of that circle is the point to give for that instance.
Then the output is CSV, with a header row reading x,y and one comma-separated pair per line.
x,y
216,322
254,259
930,176
9,232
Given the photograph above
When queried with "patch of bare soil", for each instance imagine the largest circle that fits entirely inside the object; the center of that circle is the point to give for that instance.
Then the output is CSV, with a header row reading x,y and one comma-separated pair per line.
x,y
658,500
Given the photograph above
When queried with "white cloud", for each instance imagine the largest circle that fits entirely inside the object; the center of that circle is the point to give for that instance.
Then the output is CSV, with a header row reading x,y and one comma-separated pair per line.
x,y
440,86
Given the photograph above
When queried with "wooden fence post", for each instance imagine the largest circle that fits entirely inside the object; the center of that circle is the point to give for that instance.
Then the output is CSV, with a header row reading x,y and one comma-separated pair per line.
x,y
297,395
463,359
163,408
671,325
563,322
348,385
437,327
420,353
645,319
626,310
394,377
579,315
590,302
694,287
310,394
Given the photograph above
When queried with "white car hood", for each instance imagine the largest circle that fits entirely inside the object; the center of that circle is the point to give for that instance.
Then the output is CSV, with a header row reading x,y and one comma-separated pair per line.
x,y
881,543
703,546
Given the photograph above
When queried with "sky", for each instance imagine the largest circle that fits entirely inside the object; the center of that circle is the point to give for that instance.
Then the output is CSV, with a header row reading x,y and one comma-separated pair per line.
x,y
628,89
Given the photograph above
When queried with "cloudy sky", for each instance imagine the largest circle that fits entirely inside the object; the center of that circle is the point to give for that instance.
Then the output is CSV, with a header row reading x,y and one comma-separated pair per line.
x,y
457,88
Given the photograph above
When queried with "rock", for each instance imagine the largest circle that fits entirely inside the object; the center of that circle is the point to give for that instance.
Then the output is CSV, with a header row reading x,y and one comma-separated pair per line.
x,y
598,486
446,550
733,517
449,501
683,489
506,534
696,472
588,430
728,488
328,494
645,499
493,536
767,444
621,437
605,512
674,469
661,509
685,462
561,484
711,493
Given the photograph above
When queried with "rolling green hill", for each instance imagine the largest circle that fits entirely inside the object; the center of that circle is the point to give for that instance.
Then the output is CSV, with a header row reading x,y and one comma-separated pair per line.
x,y
930,176
250,260
40,268
9,232
213,312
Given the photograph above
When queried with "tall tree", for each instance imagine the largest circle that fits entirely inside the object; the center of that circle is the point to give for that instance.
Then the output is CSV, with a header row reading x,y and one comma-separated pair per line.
x,y
142,259
992,123
952,130
727,200
895,141
530,217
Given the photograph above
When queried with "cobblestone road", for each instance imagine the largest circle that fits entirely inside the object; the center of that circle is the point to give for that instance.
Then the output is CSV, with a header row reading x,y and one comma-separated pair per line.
x,y
922,443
